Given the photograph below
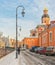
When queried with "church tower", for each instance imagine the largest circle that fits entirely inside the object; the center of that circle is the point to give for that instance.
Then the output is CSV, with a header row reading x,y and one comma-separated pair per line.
x,y
45,17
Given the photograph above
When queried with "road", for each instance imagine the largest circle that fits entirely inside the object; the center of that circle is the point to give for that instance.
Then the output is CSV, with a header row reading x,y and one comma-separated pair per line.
x,y
30,58
27,58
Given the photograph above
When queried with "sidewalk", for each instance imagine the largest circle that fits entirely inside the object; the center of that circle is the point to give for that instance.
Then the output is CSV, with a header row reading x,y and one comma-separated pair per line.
x,y
10,59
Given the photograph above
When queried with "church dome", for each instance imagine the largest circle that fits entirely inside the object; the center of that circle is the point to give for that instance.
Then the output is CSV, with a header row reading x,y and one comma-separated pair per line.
x,y
45,9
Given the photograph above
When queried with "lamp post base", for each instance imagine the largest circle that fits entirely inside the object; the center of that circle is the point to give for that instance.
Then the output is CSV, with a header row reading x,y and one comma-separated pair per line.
x,y
16,54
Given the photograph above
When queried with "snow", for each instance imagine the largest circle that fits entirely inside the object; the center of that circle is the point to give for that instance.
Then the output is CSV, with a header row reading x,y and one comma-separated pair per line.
x,y
22,60
10,59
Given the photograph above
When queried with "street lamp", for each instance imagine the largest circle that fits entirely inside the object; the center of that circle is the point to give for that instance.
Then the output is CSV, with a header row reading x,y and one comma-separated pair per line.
x,y
19,30
17,26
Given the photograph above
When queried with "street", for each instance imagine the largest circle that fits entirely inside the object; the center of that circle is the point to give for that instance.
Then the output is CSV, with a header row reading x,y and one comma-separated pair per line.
x,y
27,58
37,59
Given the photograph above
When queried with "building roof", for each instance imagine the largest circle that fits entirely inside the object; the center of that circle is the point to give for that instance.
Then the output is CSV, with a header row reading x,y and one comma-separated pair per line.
x,y
52,25
48,27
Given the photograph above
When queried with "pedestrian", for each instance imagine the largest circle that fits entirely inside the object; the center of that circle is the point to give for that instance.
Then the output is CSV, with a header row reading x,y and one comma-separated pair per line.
x,y
18,50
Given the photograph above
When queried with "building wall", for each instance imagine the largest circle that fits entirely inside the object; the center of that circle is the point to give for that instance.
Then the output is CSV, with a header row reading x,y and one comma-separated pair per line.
x,y
52,39
47,38
2,44
12,42
31,42
40,39
46,21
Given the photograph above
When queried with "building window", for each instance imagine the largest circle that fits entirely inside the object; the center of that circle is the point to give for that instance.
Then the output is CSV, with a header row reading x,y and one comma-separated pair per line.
x,y
40,41
33,34
50,36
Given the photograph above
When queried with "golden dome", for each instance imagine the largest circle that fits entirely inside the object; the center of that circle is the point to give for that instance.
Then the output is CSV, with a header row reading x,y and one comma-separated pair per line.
x,y
45,9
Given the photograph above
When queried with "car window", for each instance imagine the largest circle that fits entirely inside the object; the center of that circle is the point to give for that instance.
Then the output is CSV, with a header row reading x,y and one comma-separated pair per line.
x,y
49,48
36,49
40,48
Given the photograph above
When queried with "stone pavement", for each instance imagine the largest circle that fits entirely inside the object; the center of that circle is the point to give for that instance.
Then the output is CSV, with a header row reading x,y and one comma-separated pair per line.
x,y
10,59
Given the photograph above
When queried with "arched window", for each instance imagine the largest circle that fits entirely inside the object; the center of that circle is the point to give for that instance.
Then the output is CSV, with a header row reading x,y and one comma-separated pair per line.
x,y
50,36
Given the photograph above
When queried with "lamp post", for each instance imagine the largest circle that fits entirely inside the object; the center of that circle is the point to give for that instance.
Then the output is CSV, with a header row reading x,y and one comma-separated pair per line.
x,y
17,26
19,30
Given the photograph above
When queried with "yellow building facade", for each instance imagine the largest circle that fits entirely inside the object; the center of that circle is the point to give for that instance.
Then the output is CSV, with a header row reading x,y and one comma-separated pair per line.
x,y
12,42
2,44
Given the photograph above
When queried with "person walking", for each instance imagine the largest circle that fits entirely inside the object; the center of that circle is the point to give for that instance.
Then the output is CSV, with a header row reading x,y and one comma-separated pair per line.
x,y
18,50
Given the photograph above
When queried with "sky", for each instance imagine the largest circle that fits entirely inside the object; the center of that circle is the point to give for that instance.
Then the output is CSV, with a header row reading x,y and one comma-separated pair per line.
x,y
33,13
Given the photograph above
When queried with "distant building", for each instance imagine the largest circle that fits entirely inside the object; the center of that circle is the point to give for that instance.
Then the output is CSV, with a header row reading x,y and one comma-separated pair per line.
x,y
6,41
33,33
12,42
30,41
2,44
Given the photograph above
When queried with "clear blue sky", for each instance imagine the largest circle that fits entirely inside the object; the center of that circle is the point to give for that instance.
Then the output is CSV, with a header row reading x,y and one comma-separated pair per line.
x,y
33,13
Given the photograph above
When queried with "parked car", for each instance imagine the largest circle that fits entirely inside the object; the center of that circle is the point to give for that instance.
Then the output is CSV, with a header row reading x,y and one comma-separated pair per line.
x,y
36,50
50,50
33,48
41,50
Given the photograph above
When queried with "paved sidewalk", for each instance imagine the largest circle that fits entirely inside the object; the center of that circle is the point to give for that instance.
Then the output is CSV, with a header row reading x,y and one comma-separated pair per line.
x,y
10,59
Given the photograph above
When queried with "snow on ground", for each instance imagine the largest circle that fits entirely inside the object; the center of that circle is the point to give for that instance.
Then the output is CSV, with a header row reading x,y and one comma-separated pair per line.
x,y
22,60
10,59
